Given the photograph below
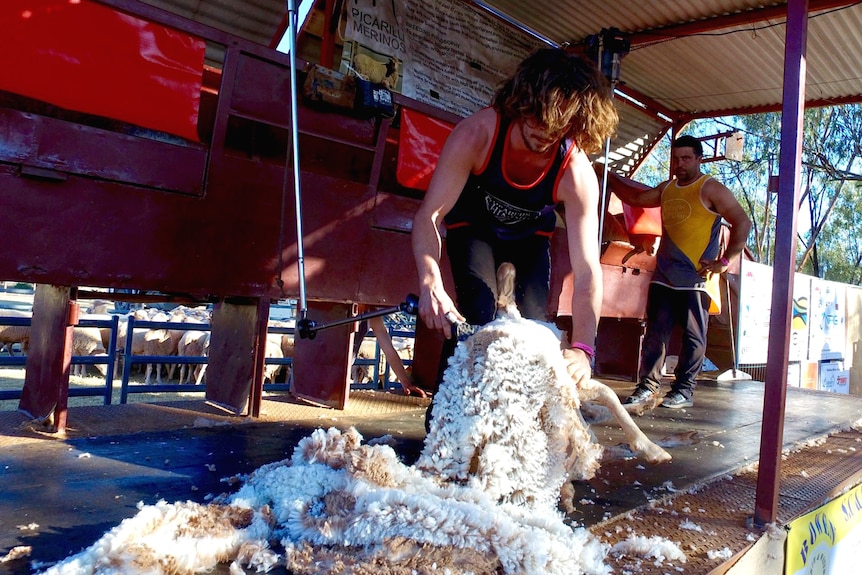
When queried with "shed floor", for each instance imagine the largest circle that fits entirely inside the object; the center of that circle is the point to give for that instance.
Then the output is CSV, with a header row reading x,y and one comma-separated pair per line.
x,y
60,494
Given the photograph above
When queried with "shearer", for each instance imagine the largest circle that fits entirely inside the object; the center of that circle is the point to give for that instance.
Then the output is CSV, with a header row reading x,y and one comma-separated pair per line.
x,y
502,173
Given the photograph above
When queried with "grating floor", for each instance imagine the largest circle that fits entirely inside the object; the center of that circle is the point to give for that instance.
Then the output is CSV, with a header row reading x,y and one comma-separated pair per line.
x,y
712,523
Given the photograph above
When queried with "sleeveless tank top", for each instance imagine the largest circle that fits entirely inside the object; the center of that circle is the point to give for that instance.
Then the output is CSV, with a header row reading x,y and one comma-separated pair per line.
x,y
495,207
690,233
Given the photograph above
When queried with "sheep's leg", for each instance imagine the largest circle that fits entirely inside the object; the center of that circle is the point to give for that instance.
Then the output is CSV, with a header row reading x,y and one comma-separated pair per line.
x,y
201,371
597,391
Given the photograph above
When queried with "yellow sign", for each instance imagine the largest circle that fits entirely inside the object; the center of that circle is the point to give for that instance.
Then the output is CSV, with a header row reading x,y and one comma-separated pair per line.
x,y
823,541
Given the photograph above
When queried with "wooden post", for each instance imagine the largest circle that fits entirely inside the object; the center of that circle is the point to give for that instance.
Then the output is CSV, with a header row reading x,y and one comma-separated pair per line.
x,y
49,356
235,348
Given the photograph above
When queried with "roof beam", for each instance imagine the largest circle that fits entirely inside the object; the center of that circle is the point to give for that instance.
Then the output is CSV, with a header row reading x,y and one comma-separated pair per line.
x,y
650,105
728,21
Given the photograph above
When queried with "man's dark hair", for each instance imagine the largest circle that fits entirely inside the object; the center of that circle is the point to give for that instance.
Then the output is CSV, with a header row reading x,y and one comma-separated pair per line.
x,y
689,142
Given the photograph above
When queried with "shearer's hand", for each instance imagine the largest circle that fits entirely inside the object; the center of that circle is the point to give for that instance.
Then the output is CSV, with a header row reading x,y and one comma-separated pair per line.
x,y
434,307
578,365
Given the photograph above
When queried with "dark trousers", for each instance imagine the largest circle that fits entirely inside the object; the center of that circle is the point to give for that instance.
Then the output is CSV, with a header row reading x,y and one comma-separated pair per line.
x,y
667,308
474,264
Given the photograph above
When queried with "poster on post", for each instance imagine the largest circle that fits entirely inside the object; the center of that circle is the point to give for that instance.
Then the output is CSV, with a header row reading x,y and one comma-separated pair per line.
x,y
444,53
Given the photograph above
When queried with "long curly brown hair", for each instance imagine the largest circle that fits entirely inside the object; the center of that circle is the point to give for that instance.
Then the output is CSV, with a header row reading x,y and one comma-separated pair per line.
x,y
565,93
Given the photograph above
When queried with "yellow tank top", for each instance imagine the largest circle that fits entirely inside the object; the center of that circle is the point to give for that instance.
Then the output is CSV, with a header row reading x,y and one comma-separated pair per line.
x,y
690,233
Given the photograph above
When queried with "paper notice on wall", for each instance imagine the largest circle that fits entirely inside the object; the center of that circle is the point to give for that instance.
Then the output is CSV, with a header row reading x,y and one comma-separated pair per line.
x,y
444,53
827,322
755,303
755,308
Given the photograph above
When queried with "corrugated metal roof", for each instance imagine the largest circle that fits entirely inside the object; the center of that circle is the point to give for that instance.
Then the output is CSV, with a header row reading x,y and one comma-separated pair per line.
x,y
567,21
692,57
255,20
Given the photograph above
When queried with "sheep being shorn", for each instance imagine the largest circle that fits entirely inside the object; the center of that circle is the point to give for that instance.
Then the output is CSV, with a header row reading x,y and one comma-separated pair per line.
x,y
481,499
507,416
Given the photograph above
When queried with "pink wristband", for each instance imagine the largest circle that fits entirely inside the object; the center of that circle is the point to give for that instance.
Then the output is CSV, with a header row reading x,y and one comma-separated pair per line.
x,y
587,349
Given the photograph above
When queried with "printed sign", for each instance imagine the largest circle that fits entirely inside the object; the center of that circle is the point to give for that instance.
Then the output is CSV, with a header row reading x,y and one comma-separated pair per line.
x,y
834,378
827,328
755,303
444,53
828,539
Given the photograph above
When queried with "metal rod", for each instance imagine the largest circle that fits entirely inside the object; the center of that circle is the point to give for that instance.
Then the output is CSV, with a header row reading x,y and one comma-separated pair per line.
x,y
730,323
355,318
602,206
307,328
294,129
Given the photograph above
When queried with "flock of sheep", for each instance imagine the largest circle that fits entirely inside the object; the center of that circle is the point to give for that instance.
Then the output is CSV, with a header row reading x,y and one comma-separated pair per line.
x,y
185,341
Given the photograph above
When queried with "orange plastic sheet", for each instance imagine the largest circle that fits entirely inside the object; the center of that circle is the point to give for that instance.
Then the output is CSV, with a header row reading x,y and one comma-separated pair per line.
x,y
84,56
421,141
642,221
646,221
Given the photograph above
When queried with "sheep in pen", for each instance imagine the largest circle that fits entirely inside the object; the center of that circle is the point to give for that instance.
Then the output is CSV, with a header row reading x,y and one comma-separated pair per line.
x,y
483,496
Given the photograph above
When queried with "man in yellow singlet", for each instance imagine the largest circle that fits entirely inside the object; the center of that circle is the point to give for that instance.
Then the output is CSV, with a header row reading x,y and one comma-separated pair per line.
x,y
688,264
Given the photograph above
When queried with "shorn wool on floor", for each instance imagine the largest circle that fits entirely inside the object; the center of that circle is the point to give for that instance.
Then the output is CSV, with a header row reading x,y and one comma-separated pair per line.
x,y
482,498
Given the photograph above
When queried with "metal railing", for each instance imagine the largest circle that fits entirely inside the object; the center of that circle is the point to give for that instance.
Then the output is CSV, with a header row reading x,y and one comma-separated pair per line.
x,y
114,357
108,360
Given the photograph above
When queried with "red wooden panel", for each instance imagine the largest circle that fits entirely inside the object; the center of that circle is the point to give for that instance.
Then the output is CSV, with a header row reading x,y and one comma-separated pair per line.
x,y
394,212
70,148
321,365
624,285
262,91
87,57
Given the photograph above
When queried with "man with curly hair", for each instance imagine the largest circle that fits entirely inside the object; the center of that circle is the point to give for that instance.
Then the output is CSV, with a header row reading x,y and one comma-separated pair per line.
x,y
501,176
